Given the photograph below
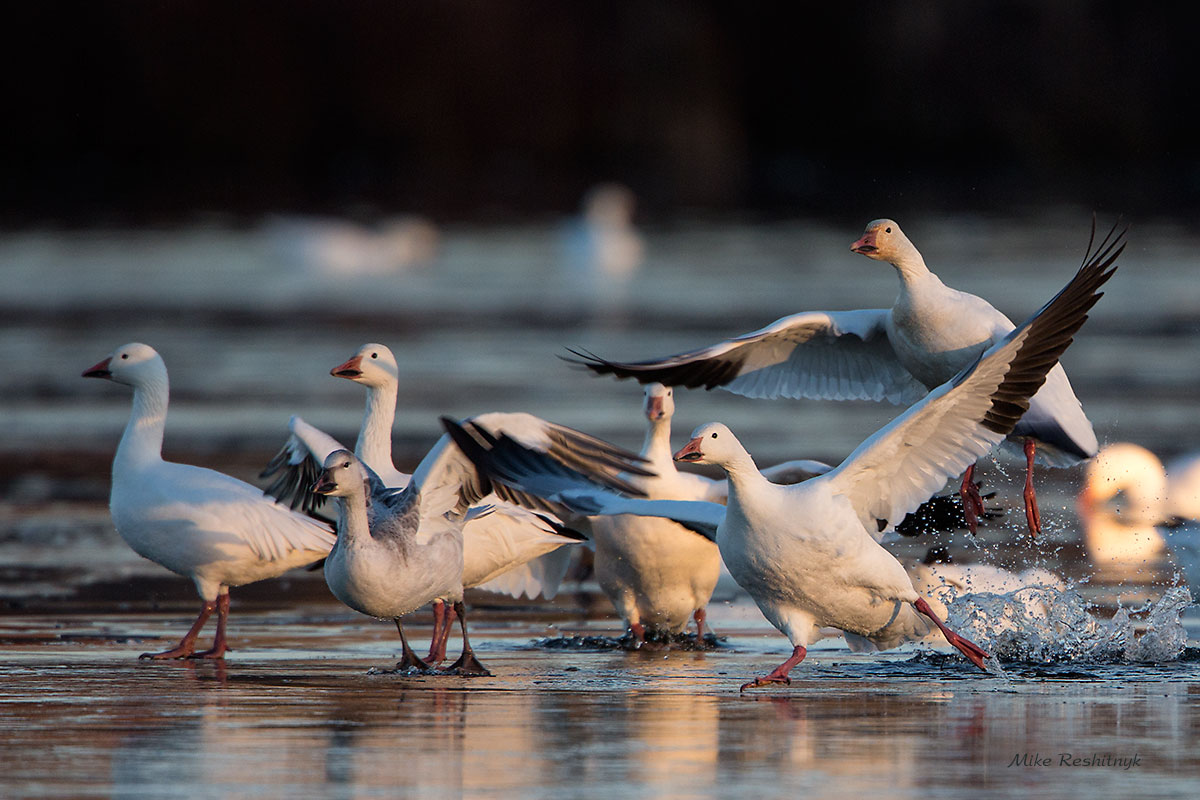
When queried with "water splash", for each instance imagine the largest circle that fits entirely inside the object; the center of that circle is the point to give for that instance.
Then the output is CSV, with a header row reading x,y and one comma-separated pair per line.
x,y
1044,625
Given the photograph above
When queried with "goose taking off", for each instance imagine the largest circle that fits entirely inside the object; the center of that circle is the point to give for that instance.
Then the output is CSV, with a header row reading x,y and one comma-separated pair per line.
x,y
196,522
510,549
809,554
897,354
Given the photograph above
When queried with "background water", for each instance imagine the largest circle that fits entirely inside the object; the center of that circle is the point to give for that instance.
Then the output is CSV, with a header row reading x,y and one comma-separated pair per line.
x,y
249,329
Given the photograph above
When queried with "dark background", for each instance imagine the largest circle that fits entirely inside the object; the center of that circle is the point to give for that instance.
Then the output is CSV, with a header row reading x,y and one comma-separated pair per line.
x,y
152,112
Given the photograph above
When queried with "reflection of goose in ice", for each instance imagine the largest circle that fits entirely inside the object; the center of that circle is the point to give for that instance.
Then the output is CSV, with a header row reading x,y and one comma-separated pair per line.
x,y
329,246
1127,496
602,251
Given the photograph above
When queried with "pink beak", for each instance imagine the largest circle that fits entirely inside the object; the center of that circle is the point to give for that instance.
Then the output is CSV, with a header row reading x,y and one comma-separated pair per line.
x,y
654,408
351,369
865,245
99,371
690,451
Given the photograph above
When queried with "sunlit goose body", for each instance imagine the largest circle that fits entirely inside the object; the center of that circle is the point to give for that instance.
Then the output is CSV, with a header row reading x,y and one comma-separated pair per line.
x,y
509,550
1131,508
808,553
657,573
196,522
896,354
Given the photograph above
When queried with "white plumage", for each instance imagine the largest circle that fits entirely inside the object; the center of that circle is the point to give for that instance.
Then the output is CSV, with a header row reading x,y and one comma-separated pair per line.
x,y
928,335
808,553
196,522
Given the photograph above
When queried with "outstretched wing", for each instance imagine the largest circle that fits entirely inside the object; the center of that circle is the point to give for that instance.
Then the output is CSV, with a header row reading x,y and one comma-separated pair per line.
x,y
297,465
902,464
830,355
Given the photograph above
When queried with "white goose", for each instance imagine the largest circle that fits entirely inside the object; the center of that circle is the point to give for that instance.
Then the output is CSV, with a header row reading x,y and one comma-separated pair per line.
x,y
657,573
401,551
808,554
196,522
896,354
1131,507
511,550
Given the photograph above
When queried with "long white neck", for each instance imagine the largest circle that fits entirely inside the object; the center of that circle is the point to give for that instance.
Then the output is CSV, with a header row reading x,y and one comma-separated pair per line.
x,y
374,446
141,443
910,267
743,474
657,445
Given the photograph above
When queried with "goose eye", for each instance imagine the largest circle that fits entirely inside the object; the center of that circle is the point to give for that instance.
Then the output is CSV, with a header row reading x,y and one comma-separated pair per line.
x,y
374,355
124,355
714,436
887,230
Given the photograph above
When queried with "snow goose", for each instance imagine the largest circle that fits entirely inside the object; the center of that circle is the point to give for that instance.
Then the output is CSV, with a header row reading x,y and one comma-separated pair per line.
x,y
401,551
657,573
1131,507
445,490
897,354
196,522
511,550
809,553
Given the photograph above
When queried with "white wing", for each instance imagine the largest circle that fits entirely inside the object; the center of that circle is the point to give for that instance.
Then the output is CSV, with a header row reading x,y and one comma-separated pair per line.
x,y
700,516
831,355
213,504
541,576
497,545
902,464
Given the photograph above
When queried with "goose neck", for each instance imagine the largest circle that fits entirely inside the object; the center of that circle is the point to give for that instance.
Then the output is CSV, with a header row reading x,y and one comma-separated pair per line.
x,y
374,446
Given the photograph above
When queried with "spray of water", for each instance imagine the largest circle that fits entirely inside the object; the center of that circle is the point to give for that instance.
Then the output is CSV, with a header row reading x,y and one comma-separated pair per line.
x,y
1052,625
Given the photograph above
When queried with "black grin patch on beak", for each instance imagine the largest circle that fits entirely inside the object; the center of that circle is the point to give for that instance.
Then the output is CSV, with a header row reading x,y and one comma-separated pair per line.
x,y
348,373
692,456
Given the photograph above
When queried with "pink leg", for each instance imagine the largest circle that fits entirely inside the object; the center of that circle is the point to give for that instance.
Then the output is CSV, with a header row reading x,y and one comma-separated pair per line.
x,y
187,644
972,503
219,646
780,673
447,627
441,632
1032,515
972,651
639,633
700,615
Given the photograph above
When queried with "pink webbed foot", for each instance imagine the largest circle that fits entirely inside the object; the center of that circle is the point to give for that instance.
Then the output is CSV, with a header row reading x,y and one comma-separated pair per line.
x,y
974,653
780,673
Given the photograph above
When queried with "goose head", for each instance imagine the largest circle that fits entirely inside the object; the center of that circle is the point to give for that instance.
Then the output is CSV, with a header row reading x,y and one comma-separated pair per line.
x,y
712,443
133,364
343,475
658,403
373,365
883,241
1124,481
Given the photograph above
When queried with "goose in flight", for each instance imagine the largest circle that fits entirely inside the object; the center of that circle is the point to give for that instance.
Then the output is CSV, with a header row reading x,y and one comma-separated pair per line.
x,y
896,354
